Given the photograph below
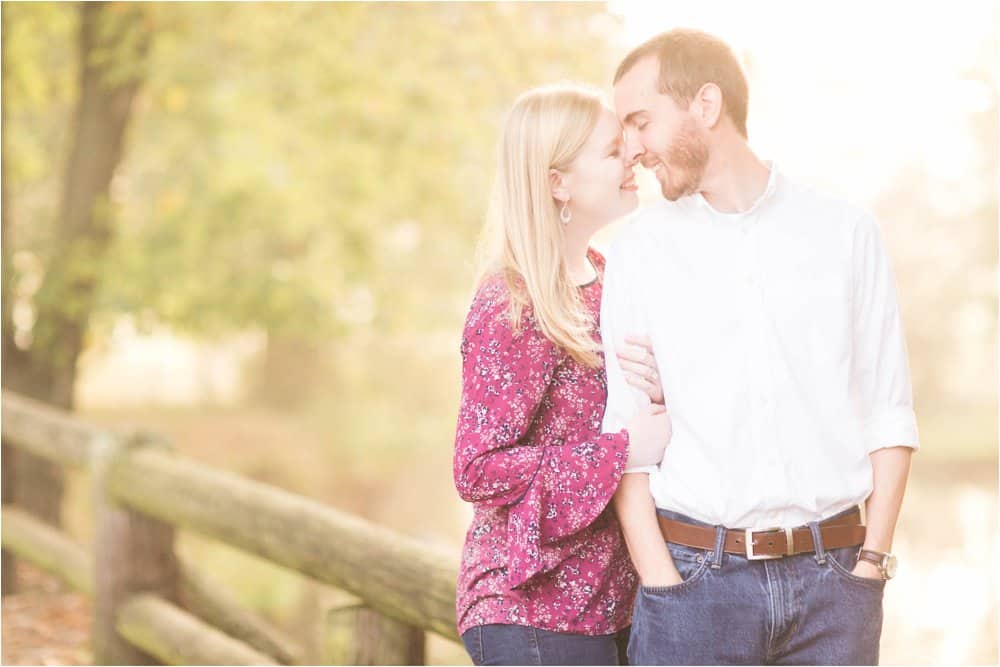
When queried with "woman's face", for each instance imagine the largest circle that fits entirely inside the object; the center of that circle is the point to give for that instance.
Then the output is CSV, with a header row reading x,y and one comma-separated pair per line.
x,y
600,181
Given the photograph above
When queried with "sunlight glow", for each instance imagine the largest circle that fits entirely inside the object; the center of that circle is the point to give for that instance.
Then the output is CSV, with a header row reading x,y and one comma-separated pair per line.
x,y
845,94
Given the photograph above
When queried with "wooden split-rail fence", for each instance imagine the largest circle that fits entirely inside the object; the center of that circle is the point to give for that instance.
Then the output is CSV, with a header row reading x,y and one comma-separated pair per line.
x,y
151,606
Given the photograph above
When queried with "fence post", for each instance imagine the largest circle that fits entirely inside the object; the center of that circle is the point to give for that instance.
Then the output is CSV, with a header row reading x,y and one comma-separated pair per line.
x,y
133,554
357,635
8,562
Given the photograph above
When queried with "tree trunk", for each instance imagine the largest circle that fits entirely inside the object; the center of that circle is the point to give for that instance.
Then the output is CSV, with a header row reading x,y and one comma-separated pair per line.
x,y
9,353
113,43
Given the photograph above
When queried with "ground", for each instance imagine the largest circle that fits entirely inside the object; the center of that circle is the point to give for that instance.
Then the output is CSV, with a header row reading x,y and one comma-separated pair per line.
x,y
46,623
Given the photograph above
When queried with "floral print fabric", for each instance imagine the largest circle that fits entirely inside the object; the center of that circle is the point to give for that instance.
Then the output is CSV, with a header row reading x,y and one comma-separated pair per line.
x,y
544,548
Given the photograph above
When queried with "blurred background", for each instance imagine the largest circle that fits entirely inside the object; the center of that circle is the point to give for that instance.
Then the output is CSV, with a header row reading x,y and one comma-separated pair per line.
x,y
256,239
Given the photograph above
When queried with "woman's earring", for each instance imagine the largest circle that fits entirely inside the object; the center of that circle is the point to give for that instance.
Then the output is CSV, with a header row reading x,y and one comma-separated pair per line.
x,y
564,215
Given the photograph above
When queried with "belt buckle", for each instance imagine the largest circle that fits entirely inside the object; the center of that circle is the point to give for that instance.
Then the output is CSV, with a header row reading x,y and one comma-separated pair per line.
x,y
748,539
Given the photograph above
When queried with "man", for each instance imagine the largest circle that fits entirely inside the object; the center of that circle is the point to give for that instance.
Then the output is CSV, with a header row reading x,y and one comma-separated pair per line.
x,y
773,314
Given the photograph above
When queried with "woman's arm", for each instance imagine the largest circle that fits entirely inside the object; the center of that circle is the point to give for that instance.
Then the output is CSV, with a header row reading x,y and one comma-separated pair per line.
x,y
505,378
637,516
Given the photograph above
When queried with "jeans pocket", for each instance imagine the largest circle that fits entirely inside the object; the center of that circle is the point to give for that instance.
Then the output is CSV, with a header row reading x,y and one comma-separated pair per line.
x,y
473,640
843,560
691,564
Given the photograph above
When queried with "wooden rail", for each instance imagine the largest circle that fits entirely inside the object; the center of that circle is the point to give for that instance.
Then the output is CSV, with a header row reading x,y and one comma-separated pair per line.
x,y
152,608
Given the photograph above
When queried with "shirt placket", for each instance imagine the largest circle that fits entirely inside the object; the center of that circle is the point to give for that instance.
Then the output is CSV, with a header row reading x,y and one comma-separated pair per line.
x,y
759,382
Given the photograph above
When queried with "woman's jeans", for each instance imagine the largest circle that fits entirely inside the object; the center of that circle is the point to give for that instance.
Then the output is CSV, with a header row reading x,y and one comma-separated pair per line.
x,y
523,645
806,609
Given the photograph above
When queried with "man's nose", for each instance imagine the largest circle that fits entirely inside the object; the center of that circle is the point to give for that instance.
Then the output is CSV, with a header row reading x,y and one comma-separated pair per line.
x,y
633,147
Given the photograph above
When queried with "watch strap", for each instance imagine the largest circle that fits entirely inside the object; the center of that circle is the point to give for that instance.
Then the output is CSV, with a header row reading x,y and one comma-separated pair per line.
x,y
877,558
871,556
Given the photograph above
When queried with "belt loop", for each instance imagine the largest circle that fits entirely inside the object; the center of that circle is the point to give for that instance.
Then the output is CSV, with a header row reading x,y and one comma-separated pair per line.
x,y
818,543
720,546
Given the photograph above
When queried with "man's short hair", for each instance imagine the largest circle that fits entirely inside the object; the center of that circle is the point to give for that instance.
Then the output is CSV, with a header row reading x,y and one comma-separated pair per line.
x,y
688,60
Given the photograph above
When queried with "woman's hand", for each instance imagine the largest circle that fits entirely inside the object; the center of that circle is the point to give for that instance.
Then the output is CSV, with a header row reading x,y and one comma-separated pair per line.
x,y
639,365
637,515
649,433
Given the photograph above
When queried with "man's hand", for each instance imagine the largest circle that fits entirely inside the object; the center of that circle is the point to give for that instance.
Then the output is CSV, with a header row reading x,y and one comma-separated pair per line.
x,y
867,570
661,573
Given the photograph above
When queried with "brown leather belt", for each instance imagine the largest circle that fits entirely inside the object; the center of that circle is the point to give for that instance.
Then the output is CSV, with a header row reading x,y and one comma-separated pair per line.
x,y
842,531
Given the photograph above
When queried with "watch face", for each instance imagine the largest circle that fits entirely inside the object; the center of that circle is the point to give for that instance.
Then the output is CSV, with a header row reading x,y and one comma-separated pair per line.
x,y
889,563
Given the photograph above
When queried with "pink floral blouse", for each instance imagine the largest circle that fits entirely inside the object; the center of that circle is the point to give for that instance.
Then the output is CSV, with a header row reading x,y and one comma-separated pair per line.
x,y
544,548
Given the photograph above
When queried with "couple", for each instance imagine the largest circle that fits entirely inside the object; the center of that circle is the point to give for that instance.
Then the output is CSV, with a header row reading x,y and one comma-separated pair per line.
x,y
761,312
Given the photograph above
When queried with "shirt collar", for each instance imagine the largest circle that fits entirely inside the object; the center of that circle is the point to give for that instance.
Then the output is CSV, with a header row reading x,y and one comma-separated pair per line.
x,y
772,182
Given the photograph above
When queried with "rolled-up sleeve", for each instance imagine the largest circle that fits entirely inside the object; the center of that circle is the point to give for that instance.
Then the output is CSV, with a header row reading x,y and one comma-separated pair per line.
x,y
880,372
620,315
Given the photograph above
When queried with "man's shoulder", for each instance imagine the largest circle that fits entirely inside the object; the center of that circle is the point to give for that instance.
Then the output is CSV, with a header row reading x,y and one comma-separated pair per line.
x,y
823,204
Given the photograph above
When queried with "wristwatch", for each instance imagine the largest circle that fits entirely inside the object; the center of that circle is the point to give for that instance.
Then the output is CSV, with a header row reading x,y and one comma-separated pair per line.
x,y
885,562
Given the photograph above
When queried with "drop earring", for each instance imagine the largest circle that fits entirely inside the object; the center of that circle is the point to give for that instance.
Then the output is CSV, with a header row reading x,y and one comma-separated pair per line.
x,y
564,215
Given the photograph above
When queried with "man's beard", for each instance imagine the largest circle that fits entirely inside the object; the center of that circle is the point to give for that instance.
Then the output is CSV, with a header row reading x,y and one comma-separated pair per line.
x,y
687,158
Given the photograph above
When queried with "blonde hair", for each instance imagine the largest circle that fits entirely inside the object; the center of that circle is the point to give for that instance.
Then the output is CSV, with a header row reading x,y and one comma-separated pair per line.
x,y
523,236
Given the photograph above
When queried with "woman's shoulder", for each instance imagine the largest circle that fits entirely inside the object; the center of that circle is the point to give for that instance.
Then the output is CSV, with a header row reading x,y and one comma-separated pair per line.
x,y
491,291
491,303
597,257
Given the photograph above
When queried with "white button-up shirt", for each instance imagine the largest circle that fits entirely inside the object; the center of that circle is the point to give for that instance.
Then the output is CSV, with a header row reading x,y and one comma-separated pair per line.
x,y
780,348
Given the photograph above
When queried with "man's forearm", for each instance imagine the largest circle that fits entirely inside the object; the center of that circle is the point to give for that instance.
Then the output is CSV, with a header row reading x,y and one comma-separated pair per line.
x,y
890,469
637,516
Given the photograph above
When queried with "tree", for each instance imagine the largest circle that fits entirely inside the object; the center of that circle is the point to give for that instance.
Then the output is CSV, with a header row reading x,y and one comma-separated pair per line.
x,y
293,162
112,41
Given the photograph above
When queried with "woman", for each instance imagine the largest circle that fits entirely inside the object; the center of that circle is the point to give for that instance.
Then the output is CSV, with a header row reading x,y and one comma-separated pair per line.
x,y
545,575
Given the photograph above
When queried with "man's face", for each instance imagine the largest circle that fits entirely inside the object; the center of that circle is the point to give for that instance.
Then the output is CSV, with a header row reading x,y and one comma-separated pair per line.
x,y
658,133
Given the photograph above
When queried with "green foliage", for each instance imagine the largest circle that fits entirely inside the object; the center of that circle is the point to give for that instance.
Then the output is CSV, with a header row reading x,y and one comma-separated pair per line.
x,y
39,87
292,166
319,170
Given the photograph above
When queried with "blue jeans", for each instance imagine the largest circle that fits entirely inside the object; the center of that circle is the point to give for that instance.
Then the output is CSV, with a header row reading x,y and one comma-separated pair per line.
x,y
496,644
806,609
